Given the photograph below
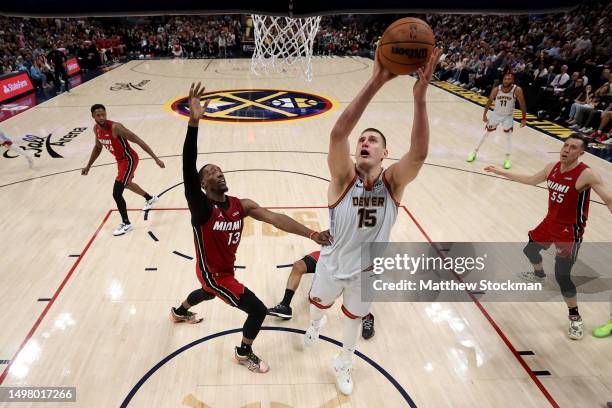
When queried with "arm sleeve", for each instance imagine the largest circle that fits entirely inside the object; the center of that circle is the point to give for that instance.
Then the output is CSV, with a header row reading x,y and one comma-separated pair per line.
x,y
198,203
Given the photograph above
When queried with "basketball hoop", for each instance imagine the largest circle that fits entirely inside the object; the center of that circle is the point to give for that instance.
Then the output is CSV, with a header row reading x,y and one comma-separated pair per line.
x,y
284,44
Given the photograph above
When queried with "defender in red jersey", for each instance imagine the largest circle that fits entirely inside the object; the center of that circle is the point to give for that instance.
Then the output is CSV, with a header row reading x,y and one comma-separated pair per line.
x,y
569,185
217,221
308,264
115,138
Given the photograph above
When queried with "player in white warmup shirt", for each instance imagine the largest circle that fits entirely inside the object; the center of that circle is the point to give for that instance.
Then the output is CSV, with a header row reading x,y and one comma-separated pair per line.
x,y
8,143
505,97
363,203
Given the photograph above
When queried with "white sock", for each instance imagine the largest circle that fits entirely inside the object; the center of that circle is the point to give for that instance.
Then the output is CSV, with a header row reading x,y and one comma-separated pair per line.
x,y
482,139
19,150
350,333
25,154
508,144
316,315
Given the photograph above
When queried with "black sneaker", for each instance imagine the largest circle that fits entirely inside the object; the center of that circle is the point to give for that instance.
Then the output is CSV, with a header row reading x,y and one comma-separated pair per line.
x,y
282,311
367,326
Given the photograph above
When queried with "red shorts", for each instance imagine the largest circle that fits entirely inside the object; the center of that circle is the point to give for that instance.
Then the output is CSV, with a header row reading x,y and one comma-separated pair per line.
x,y
567,238
223,285
126,169
6,143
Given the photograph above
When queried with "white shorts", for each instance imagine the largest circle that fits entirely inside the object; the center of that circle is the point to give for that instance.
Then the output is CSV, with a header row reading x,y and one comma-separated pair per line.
x,y
495,119
325,290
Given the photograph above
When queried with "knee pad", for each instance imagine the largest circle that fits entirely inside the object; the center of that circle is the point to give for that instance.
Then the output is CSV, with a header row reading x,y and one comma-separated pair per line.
x,y
563,269
532,252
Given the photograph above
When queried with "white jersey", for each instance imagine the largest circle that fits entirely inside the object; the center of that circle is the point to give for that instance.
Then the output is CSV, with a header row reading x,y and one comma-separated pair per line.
x,y
360,215
504,101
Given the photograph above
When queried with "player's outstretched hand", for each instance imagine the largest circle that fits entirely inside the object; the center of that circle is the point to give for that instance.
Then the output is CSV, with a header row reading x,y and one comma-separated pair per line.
x,y
380,72
84,171
160,163
425,74
196,109
493,169
323,238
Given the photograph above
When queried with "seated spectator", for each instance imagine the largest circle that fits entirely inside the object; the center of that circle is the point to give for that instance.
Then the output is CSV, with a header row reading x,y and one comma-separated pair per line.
x,y
38,78
561,81
602,134
582,101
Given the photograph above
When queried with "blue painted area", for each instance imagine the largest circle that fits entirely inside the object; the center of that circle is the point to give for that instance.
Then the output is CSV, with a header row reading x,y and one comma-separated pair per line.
x,y
258,105
186,347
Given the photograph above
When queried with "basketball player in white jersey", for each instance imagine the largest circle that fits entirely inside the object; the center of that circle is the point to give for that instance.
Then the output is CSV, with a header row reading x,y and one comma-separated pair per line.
x,y
363,202
505,96
8,143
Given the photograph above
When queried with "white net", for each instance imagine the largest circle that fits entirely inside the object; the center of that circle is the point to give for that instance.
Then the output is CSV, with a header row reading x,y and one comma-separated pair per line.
x,y
284,44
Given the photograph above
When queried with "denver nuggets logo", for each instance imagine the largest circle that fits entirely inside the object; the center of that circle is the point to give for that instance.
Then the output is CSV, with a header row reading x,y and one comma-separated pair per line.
x,y
257,105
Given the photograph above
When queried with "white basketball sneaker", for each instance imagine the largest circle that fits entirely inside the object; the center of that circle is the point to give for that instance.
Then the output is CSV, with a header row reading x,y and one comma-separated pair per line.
x,y
312,333
149,204
530,276
344,379
122,229
575,330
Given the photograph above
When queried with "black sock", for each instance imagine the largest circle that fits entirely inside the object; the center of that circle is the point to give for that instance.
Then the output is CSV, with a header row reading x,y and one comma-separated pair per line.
x,y
244,349
181,310
287,298
573,311
121,205
147,196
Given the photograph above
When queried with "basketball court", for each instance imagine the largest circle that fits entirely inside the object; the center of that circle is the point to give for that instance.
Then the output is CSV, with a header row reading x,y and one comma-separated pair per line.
x,y
85,309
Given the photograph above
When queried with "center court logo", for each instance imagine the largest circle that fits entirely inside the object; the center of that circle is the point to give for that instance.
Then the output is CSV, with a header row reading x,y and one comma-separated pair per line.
x,y
257,105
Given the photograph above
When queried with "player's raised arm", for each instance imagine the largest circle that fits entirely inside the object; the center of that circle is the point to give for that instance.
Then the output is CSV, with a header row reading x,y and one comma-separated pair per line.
x,y
283,222
196,199
122,131
594,180
95,152
340,164
407,168
532,180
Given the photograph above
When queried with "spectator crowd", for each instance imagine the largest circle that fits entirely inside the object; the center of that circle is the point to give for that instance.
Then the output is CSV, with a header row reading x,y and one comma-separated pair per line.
x,y
562,60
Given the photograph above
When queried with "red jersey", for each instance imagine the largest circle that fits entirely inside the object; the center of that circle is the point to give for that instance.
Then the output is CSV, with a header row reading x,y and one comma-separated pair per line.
x,y
221,236
565,204
118,146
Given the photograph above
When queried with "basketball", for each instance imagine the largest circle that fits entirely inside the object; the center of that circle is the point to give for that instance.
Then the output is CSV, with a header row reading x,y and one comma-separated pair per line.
x,y
406,45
